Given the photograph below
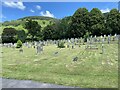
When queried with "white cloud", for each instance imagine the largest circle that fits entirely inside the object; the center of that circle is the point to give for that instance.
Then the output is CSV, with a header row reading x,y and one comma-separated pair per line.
x,y
11,4
38,7
47,14
105,10
32,11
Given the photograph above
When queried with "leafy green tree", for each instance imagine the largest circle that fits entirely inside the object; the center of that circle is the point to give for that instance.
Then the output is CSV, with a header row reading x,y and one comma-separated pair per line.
x,y
79,23
113,21
21,35
9,35
97,22
87,35
34,29
64,26
48,32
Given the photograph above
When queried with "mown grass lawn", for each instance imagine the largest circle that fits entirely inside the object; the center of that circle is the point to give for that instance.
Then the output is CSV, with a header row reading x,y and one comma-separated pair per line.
x,y
90,71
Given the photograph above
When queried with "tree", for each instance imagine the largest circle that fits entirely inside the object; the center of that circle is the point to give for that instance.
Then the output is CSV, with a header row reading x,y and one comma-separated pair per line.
x,y
97,22
21,35
19,44
79,23
113,21
64,25
34,29
48,32
9,35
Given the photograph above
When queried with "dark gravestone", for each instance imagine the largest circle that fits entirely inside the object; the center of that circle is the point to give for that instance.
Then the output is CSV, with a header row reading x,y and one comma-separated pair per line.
x,y
56,53
75,58
72,46
102,49
68,46
34,46
21,50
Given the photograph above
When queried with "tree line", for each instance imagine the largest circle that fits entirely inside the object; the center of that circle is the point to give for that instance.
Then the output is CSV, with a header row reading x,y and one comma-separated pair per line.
x,y
81,24
84,23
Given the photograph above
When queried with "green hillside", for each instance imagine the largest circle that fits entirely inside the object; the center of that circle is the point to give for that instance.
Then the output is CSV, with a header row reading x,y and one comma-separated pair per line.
x,y
37,17
19,23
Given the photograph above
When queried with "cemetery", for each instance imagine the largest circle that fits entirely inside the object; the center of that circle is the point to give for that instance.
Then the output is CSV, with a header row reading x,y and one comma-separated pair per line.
x,y
78,66
78,51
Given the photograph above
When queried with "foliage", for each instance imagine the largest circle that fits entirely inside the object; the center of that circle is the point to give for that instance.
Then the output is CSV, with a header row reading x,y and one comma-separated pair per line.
x,y
78,26
61,44
13,23
43,22
82,22
96,22
113,21
34,29
37,18
87,35
19,44
21,35
48,32
64,26
9,35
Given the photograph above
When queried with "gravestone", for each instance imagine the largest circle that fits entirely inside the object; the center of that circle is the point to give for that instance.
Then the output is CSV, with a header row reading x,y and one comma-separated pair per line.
x,y
75,59
39,49
102,48
21,50
103,40
72,46
72,40
56,53
108,39
68,46
95,38
115,36
105,37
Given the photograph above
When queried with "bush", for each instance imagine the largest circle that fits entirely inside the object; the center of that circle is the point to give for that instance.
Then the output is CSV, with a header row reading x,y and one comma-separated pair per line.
x,y
19,44
61,45
43,22
86,36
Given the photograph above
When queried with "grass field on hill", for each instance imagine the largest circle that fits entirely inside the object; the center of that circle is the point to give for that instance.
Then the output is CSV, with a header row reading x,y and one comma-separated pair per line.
x,y
91,70
21,27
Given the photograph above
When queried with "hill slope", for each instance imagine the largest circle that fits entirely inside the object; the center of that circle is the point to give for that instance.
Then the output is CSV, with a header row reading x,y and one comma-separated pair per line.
x,y
19,23
22,20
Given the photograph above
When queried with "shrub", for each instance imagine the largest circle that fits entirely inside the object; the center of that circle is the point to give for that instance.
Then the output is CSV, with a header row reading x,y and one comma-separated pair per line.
x,y
86,36
19,44
61,44
43,22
